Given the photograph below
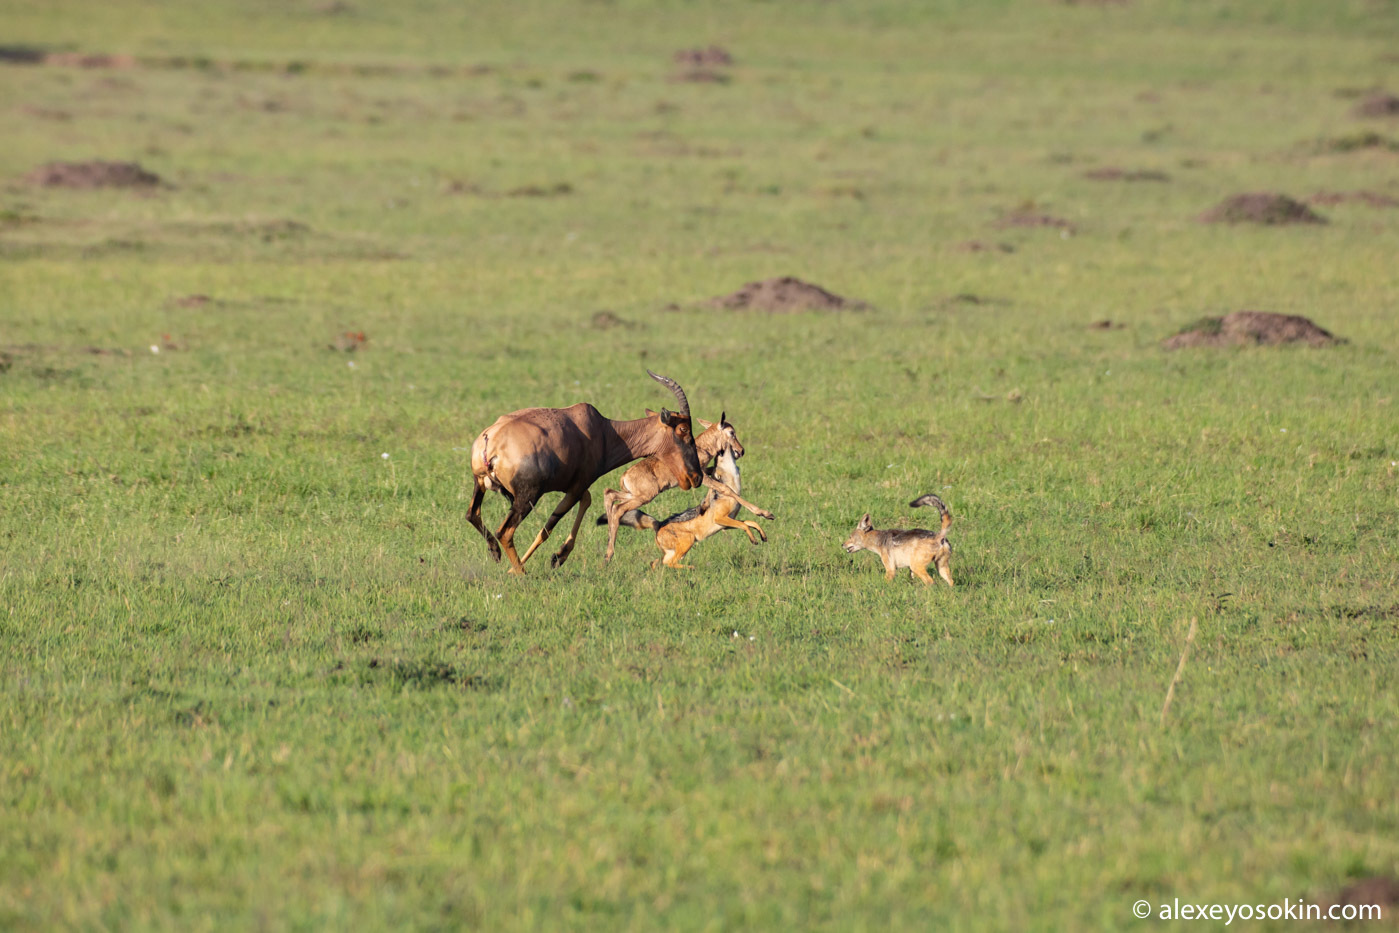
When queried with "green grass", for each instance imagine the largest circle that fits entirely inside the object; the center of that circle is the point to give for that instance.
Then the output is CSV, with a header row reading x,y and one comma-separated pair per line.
x,y
256,675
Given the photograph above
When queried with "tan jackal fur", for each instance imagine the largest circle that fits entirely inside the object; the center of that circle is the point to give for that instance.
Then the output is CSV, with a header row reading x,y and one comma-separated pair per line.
x,y
682,531
913,548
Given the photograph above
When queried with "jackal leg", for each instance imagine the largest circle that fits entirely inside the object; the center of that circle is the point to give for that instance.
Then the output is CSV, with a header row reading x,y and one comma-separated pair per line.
x,y
723,489
683,544
921,573
747,527
473,515
568,501
945,569
889,567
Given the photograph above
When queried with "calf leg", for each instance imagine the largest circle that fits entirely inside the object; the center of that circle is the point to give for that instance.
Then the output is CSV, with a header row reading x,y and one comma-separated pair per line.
x,y
723,489
747,527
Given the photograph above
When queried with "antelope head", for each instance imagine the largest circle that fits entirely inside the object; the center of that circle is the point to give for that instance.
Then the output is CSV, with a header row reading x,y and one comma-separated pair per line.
x,y
720,435
676,449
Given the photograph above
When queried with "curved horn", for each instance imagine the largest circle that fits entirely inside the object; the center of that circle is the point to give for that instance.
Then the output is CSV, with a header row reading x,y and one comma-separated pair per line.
x,y
673,386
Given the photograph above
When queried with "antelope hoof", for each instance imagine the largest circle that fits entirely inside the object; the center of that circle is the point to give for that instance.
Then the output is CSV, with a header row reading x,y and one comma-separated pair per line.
x,y
515,572
558,559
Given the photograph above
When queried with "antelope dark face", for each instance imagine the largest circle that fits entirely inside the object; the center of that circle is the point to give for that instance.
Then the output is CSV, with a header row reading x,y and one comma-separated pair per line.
x,y
678,451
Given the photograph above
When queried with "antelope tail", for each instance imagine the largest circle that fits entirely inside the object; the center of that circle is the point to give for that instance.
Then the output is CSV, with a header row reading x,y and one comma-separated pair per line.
x,y
932,500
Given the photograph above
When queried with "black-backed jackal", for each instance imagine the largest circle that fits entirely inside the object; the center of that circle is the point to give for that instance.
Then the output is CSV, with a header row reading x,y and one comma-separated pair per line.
x,y
914,548
682,531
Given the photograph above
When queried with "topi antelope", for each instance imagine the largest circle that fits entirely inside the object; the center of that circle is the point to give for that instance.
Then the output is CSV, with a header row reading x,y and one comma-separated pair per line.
x,y
652,476
536,450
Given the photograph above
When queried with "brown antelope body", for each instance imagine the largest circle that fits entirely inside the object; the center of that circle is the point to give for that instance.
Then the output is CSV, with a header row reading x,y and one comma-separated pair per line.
x,y
653,476
914,548
530,452
680,532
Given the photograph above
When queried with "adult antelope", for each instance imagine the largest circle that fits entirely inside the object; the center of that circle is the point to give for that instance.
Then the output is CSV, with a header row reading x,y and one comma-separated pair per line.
x,y
537,450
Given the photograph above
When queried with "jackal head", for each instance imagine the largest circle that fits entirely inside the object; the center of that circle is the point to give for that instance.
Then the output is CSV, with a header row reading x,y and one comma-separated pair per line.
x,y
859,538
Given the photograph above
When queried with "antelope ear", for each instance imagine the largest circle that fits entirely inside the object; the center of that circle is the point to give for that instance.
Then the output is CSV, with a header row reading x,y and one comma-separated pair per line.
x,y
650,413
705,424
667,418
724,418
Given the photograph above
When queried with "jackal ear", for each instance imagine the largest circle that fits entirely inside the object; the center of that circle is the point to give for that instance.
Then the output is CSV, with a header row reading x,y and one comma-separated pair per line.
x,y
705,424
865,523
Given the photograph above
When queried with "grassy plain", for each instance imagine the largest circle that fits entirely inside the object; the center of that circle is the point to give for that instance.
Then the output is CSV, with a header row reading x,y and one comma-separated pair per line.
x,y
255,675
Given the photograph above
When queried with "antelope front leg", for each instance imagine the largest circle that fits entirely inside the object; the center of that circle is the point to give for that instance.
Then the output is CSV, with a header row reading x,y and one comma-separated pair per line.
x,y
615,509
584,501
568,500
723,489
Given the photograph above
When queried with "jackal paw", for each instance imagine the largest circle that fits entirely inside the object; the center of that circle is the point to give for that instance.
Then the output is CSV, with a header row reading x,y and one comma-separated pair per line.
x,y
764,513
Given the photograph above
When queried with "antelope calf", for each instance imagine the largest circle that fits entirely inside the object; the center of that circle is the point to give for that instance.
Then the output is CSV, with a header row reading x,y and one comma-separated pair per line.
x,y
652,476
682,531
536,450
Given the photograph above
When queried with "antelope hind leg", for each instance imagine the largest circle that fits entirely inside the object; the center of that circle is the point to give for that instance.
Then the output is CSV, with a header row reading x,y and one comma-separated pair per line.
x,y
568,501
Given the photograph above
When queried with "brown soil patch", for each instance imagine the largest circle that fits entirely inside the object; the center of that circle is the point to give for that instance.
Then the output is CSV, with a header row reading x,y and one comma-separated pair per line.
x,y
1026,217
86,175
1370,198
1378,105
85,60
1262,208
1112,173
192,301
606,320
1243,328
541,191
1107,324
784,296
713,56
981,246
349,341
1378,890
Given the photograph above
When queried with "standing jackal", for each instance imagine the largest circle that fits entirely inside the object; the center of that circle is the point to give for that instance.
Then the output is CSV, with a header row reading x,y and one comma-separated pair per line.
x,y
914,548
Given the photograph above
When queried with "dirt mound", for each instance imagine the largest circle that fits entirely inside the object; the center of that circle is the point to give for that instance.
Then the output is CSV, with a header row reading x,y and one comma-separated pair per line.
x,y
1371,198
714,56
87,60
1378,105
1263,207
85,175
1378,890
1112,173
1242,328
785,296
981,246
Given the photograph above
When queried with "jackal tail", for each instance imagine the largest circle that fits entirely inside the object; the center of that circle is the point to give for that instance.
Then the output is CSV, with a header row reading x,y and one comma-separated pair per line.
x,y
932,500
632,518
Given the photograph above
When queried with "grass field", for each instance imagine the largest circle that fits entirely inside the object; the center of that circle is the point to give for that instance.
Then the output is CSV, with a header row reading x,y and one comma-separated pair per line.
x,y
256,671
